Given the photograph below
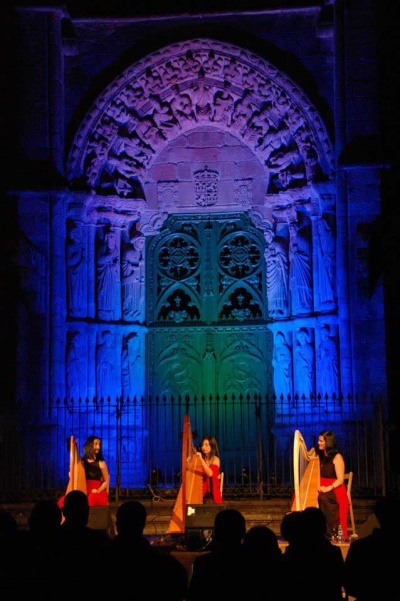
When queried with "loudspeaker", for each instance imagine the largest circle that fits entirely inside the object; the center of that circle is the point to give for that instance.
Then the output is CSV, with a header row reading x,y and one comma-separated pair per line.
x,y
100,519
203,515
199,525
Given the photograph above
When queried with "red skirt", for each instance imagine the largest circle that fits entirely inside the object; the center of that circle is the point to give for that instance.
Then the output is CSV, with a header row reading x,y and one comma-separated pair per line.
x,y
95,499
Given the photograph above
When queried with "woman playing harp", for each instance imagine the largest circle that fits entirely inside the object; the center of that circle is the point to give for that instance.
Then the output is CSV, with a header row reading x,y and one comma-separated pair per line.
x,y
90,473
200,476
321,484
210,461
332,492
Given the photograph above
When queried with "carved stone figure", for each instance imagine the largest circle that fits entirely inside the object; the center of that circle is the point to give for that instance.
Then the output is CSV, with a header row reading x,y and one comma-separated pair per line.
x,y
162,114
105,366
326,241
282,364
132,367
277,274
107,275
328,368
223,104
202,97
76,272
182,106
301,275
73,357
304,364
133,278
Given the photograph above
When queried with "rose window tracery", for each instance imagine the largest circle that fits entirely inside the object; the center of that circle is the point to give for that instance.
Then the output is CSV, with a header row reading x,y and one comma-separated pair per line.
x,y
239,256
178,258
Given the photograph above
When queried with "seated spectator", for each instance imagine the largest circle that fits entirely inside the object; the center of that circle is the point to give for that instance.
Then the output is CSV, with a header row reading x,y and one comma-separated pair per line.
x,y
45,520
371,564
291,526
78,542
132,558
311,554
220,573
76,516
41,552
8,524
33,554
261,541
8,542
261,555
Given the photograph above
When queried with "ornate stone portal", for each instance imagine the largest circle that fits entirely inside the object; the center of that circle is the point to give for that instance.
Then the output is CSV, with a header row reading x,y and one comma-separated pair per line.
x,y
198,130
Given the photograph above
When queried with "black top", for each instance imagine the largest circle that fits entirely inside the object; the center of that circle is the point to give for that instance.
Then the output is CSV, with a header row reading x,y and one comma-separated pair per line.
x,y
327,468
92,470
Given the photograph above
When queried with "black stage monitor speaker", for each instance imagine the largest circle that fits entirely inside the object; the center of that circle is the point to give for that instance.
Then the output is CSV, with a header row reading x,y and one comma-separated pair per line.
x,y
199,525
100,519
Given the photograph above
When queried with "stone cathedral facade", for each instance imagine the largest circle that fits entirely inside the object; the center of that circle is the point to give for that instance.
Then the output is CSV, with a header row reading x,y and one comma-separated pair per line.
x,y
204,237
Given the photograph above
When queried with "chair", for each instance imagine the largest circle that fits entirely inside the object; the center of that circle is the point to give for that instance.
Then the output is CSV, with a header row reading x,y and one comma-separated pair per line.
x,y
348,480
221,482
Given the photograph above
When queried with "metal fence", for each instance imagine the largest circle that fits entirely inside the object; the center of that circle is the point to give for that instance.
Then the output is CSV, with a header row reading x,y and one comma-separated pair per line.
x,y
141,441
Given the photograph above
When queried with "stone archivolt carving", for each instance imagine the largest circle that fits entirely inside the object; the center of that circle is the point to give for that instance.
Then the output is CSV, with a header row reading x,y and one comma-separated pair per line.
x,y
191,83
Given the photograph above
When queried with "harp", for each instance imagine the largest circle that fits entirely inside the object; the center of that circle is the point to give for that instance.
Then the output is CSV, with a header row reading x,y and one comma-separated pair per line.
x,y
191,489
306,475
77,478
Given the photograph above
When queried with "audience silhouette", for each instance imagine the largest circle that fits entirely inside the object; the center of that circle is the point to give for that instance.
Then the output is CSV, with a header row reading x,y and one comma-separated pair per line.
x,y
42,549
371,567
141,570
31,557
308,555
220,573
262,555
8,525
8,545
291,526
261,540
78,542
238,565
44,520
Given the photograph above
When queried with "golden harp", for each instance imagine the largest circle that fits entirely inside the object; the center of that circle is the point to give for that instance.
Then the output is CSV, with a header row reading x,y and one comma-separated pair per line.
x,y
306,475
191,489
77,478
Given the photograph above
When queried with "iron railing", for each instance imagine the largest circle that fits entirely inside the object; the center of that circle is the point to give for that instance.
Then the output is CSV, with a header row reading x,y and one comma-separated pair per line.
x,y
141,441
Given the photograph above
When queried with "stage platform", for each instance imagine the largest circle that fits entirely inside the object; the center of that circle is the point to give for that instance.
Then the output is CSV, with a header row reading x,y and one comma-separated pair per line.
x,y
159,511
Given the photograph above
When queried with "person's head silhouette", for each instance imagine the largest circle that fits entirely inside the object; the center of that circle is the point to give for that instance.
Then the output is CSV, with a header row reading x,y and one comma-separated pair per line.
x,y
387,511
45,518
229,527
292,526
314,523
76,509
131,519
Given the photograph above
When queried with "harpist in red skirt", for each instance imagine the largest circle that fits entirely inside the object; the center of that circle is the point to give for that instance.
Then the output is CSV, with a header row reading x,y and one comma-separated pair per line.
x,y
96,474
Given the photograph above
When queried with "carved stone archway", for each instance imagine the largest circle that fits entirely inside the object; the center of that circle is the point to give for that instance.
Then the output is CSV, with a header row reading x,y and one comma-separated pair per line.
x,y
197,82
199,95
